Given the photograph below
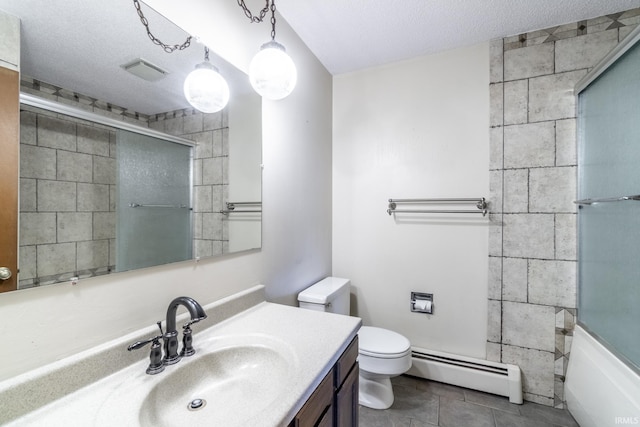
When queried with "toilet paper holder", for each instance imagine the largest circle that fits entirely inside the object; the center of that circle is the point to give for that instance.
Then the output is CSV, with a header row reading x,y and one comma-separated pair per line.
x,y
421,302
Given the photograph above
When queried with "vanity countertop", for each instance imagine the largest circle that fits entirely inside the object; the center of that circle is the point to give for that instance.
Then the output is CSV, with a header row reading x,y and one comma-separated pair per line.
x,y
314,341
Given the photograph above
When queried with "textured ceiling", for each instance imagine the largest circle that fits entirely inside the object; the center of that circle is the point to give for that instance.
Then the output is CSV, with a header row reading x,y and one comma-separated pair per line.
x,y
80,44
349,35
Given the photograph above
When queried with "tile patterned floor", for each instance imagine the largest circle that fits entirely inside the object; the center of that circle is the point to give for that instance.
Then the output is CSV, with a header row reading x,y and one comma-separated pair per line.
x,y
424,403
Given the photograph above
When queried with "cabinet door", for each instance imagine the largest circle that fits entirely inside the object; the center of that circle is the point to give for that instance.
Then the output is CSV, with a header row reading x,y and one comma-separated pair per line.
x,y
327,419
318,409
347,400
346,362
9,144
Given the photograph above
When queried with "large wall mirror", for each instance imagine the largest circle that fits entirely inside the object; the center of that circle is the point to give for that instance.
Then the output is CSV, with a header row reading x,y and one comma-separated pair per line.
x,y
97,199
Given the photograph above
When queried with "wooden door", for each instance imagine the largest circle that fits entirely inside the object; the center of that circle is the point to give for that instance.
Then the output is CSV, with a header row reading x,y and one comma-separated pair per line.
x,y
9,149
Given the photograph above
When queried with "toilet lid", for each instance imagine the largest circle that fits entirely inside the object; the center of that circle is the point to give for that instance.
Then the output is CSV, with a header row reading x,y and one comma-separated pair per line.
x,y
381,342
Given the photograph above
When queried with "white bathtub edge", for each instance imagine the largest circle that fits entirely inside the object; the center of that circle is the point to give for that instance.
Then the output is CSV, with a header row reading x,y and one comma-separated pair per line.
x,y
600,390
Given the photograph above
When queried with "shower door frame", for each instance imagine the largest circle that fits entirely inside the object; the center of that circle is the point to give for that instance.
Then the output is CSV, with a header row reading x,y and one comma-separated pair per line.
x,y
600,68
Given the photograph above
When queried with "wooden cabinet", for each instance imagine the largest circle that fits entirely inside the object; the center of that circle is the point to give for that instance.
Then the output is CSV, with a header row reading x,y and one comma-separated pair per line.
x,y
318,410
346,392
10,147
335,402
346,401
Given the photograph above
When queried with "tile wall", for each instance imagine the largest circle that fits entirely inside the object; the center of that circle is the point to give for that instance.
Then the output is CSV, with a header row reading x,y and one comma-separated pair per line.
x,y
210,173
532,245
68,177
67,191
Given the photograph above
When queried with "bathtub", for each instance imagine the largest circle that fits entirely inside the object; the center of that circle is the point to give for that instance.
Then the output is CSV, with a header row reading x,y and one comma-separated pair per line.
x,y
600,390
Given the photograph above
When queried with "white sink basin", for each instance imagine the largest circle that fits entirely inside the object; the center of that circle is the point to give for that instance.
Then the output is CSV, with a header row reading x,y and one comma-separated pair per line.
x,y
231,379
256,368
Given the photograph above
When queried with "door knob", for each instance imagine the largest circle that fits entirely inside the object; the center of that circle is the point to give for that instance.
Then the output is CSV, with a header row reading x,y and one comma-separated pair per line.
x,y
5,273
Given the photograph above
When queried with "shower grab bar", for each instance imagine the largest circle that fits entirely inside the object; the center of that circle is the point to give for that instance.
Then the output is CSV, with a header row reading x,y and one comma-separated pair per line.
x,y
480,203
606,200
139,205
231,207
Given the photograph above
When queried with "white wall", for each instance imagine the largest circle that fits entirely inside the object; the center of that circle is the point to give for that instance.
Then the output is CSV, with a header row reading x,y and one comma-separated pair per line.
x,y
43,325
414,129
245,170
296,209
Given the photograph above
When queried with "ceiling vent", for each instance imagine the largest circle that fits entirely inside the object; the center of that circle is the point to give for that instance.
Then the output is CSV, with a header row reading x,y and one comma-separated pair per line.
x,y
145,70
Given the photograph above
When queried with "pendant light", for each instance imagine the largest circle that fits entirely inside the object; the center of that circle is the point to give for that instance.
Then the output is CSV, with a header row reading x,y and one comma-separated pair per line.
x,y
205,89
272,73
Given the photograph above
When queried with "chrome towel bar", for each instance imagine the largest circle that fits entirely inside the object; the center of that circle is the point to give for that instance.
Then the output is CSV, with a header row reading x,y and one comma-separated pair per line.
x,y
606,200
480,203
231,207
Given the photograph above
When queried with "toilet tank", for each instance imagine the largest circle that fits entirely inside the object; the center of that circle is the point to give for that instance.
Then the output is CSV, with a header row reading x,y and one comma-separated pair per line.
x,y
331,294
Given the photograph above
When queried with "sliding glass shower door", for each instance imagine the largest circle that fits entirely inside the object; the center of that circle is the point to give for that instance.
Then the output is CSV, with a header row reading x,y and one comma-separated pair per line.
x,y
153,202
609,208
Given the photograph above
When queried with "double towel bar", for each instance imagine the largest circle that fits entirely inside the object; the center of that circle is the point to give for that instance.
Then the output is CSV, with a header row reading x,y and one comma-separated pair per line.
x,y
480,203
244,207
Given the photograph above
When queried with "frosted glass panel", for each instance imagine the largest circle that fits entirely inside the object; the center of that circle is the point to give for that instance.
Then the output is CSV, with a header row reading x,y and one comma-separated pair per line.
x,y
609,296
610,127
609,232
155,176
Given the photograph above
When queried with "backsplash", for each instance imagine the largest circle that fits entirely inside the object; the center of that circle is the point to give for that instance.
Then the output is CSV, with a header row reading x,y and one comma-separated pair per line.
x,y
533,242
68,184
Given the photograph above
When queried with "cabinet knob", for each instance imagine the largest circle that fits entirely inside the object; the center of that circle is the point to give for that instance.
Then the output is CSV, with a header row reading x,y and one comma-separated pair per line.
x,y
5,273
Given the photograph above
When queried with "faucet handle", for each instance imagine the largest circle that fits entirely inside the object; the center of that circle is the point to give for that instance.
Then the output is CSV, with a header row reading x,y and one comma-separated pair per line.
x,y
155,357
139,344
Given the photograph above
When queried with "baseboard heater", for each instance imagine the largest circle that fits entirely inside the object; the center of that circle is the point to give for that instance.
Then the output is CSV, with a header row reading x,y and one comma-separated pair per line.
x,y
462,371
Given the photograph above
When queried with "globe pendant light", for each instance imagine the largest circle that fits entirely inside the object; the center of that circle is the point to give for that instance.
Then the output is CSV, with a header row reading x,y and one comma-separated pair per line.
x,y
205,89
272,72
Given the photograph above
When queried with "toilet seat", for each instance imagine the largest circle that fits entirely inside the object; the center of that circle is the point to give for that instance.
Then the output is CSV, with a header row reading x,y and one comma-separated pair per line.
x,y
382,343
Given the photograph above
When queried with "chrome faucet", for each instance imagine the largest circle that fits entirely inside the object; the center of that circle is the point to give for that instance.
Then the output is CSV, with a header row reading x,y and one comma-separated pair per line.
x,y
170,337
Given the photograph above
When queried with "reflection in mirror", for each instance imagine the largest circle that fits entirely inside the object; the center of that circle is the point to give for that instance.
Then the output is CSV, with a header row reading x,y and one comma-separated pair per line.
x,y
153,218
71,194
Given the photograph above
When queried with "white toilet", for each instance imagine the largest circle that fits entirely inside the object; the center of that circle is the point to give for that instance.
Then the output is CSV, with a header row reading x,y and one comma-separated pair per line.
x,y
382,354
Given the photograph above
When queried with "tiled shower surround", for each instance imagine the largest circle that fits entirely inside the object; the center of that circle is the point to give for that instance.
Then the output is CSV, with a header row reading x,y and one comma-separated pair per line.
x,y
68,180
67,193
532,245
210,173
